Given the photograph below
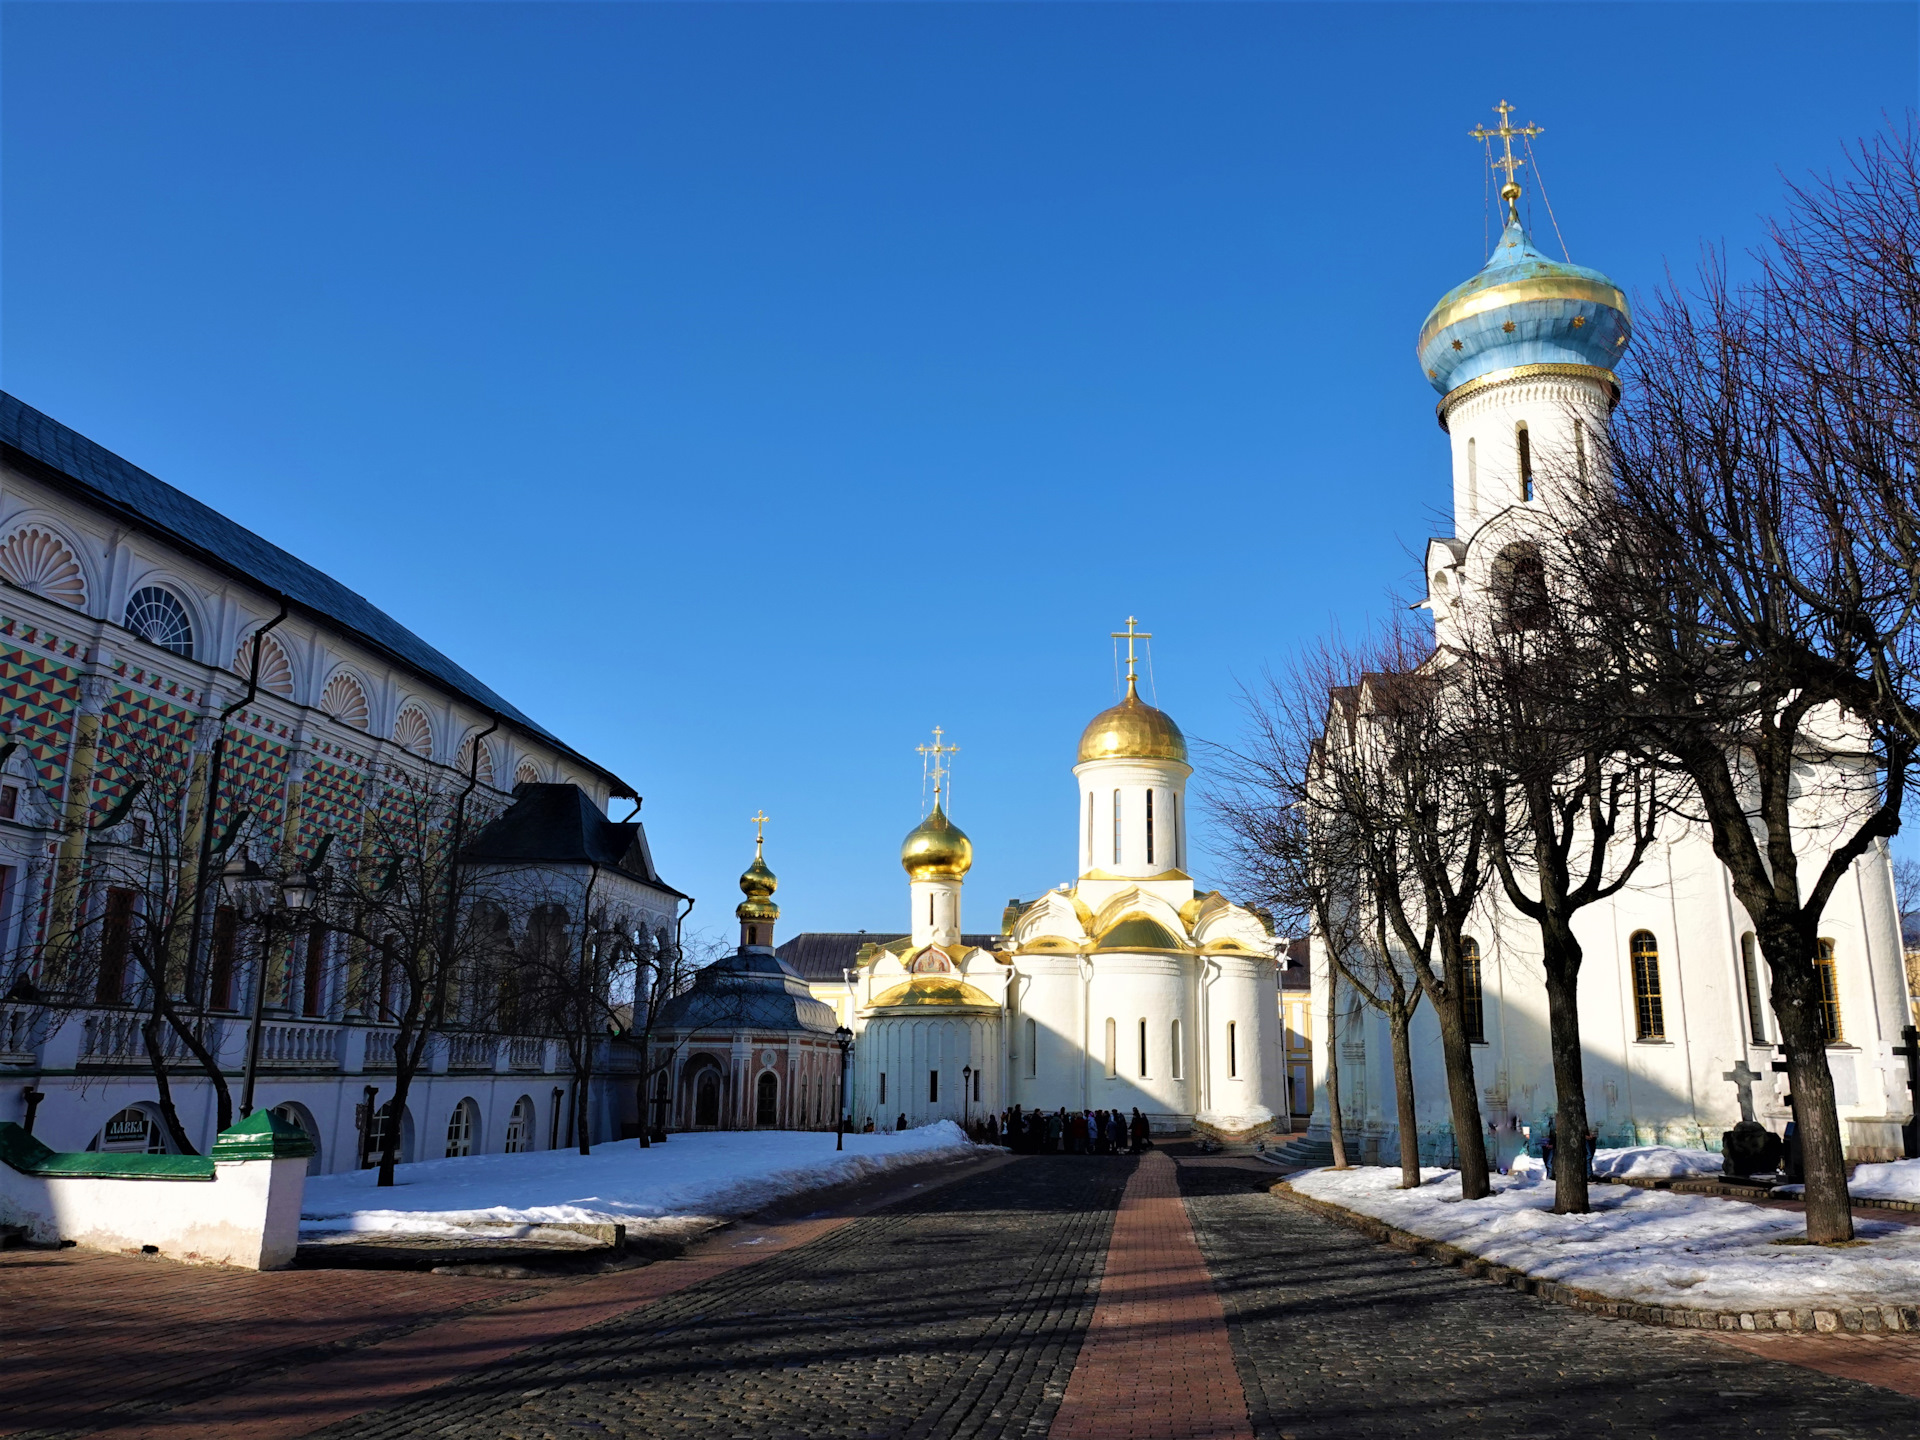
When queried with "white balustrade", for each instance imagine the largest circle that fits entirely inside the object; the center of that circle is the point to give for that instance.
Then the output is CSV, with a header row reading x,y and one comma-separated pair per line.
x,y
17,1036
305,1047
380,1048
470,1052
527,1052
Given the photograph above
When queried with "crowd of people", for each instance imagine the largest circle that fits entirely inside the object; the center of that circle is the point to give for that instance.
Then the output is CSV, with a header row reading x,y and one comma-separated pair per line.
x,y
1065,1132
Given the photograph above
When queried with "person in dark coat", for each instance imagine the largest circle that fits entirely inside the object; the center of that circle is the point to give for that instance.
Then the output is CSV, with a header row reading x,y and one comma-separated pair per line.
x,y
1142,1132
901,1123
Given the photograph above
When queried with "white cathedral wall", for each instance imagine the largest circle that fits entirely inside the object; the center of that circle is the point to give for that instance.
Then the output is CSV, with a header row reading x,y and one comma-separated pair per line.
x,y
1132,779
1671,1091
1245,1084
1129,989
1482,431
907,1049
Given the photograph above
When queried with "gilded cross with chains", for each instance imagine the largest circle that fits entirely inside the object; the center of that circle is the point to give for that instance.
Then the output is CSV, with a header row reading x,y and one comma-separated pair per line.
x,y
759,823
1131,634
1509,162
931,754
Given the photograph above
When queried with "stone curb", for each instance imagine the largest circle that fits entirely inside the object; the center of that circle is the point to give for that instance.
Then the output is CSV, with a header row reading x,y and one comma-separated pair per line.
x,y
1823,1320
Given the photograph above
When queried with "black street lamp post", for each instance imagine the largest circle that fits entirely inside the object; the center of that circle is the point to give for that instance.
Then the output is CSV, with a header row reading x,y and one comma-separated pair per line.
x,y
843,1037
297,892
966,1094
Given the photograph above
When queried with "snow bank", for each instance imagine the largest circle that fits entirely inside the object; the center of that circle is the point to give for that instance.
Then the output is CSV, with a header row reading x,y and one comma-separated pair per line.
x,y
1650,1246
1655,1162
707,1176
1894,1180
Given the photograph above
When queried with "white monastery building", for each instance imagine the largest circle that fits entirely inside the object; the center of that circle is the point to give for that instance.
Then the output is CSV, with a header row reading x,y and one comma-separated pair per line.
x,y
1122,989
1674,1012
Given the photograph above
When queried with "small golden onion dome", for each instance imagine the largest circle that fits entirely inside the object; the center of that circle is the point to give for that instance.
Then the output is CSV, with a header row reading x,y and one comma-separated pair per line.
x,y
758,883
1133,730
936,849
929,992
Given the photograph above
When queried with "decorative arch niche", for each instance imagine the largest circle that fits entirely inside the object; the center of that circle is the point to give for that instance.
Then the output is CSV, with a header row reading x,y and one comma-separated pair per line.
x,y
38,560
526,773
413,732
276,670
481,767
346,700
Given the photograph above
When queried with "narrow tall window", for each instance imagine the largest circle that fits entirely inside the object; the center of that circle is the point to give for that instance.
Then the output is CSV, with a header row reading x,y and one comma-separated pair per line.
x,y
929,910
1113,1047
1750,976
1233,1050
1179,1061
1473,1005
1116,827
933,1087
1173,819
1580,451
116,942
313,995
1648,1014
883,1087
1473,482
1033,1049
226,932
1829,976
1143,1049
1149,827
1089,829
1523,443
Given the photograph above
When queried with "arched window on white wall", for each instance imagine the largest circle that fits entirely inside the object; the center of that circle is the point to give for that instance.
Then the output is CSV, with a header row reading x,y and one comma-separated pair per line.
x,y
42,562
1179,1060
1233,1050
1149,827
1116,827
1473,481
1032,1047
1113,1047
157,616
463,1129
1523,454
1173,819
1089,829
1143,1049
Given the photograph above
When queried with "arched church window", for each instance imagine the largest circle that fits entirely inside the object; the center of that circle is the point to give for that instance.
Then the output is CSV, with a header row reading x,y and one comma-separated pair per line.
x,y
40,561
1149,827
1473,1010
929,909
1143,1049
1473,480
1173,818
1523,446
1116,827
156,616
1233,1050
1179,1060
1089,829
461,1125
1649,1014
1032,1044
766,1110
1520,582
1580,450
1829,976
1113,1046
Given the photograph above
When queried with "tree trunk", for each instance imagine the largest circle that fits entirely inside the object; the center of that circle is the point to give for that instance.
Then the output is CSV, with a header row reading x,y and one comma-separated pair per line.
x,y
390,1142
1470,1144
646,1093
1562,963
169,1115
1337,1132
1796,1003
1399,1020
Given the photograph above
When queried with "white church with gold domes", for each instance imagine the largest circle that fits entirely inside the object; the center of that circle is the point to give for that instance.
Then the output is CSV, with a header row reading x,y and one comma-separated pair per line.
x,y
1123,989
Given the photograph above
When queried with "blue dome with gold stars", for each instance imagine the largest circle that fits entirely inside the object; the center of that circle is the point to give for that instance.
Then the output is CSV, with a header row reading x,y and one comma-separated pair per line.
x,y
1523,309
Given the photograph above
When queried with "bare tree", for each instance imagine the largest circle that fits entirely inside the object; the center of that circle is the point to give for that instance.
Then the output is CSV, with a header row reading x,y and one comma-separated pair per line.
x,y
1755,651
1570,804
424,928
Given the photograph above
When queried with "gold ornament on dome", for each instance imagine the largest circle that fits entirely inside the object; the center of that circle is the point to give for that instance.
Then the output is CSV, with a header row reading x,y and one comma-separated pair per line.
x,y
757,882
934,992
1133,729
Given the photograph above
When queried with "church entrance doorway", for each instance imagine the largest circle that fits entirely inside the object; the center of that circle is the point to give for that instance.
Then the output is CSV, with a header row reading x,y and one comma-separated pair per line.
x,y
767,1101
706,1099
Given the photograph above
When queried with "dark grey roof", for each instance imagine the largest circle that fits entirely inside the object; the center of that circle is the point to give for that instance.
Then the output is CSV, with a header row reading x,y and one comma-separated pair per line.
x,y
70,461
751,989
560,825
825,954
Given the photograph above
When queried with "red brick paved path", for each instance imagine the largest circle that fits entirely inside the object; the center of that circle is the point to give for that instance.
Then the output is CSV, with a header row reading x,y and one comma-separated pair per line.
x,y
1891,1361
1156,1363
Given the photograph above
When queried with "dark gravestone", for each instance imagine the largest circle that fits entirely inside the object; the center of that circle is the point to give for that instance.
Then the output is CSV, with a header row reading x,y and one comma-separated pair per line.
x,y
1749,1149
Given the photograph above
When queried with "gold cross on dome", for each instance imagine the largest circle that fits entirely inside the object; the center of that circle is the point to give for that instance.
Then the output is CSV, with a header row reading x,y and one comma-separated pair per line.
x,y
931,765
759,823
1509,162
1131,634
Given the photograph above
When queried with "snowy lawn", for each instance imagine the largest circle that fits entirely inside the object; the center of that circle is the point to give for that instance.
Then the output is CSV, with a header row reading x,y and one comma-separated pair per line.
x,y
1650,1246
1894,1180
1655,1162
690,1178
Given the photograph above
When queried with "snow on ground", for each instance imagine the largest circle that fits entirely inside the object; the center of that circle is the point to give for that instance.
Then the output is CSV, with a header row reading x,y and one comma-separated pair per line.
x,y
1894,1180
1655,1162
1650,1246
705,1176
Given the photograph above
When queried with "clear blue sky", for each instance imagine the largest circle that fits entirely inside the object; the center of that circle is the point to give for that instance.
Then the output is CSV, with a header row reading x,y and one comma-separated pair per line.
x,y
744,391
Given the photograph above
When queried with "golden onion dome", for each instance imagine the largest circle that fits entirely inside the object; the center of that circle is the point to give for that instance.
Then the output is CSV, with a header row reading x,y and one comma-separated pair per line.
x,y
1133,730
936,849
758,883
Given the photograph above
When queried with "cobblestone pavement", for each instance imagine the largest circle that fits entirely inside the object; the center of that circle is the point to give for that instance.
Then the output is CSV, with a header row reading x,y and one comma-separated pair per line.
x,y
1336,1336
959,1314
